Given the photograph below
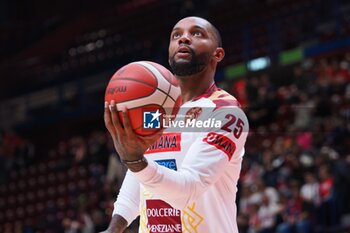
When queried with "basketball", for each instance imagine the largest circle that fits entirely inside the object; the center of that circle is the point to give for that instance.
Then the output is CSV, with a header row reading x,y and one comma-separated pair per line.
x,y
150,93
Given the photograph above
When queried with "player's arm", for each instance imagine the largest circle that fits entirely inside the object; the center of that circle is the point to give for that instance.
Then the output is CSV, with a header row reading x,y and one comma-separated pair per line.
x,y
126,207
117,225
205,162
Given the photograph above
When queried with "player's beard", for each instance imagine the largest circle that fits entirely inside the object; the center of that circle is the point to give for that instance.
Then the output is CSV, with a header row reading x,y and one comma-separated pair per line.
x,y
186,68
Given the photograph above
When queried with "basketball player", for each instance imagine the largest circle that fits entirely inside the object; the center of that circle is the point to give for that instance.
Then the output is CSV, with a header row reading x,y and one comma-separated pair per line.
x,y
189,183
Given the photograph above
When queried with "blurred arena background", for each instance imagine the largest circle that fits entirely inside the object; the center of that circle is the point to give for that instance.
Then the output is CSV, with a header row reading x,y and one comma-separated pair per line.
x,y
288,62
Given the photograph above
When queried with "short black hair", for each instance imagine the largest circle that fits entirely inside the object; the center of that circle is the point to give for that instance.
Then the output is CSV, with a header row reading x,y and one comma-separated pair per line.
x,y
216,35
215,31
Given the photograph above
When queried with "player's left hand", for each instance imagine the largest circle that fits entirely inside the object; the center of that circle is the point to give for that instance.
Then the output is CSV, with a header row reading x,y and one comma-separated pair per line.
x,y
128,144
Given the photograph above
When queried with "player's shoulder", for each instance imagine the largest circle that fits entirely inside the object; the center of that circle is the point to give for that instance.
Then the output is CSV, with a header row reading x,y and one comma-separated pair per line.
x,y
219,103
226,106
218,97
222,99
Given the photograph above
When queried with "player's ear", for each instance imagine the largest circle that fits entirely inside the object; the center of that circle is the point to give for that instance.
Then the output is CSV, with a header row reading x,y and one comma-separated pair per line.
x,y
219,54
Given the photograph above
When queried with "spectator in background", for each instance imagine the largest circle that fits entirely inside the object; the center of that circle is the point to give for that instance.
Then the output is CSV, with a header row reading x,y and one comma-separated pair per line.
x,y
342,187
16,152
258,208
254,221
326,183
270,170
310,189
243,209
300,79
303,112
243,204
264,109
309,194
267,215
116,170
295,216
326,208
252,89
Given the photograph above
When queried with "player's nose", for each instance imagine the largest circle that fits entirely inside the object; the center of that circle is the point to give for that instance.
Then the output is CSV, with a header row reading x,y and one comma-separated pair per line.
x,y
185,39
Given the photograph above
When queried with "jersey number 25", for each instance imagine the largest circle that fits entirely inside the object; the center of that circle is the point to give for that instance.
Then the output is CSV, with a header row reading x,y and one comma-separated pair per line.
x,y
237,125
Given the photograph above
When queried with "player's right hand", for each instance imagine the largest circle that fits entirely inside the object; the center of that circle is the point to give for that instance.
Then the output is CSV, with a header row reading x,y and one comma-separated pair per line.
x,y
129,145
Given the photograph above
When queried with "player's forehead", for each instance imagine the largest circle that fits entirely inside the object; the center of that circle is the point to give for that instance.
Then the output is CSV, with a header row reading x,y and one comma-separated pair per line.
x,y
192,22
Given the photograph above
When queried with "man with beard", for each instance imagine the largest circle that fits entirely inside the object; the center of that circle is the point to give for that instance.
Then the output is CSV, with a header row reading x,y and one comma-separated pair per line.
x,y
189,183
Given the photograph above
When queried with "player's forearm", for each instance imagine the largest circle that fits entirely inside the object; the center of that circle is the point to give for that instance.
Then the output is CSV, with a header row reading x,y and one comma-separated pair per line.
x,y
117,225
128,201
170,185
137,165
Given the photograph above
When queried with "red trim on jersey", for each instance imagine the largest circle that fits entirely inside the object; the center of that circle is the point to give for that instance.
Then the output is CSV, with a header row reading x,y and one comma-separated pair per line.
x,y
223,95
208,92
222,143
225,102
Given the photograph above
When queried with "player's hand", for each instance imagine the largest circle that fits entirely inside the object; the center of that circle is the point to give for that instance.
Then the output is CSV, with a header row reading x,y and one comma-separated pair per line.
x,y
128,144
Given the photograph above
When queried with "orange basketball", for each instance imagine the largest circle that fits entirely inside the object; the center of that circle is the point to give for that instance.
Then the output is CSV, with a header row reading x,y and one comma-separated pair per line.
x,y
150,93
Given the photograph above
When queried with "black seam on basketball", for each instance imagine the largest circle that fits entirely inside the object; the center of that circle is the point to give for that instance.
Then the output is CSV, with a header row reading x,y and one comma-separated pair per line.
x,y
138,97
149,71
157,79
167,95
171,86
147,95
132,100
144,106
147,84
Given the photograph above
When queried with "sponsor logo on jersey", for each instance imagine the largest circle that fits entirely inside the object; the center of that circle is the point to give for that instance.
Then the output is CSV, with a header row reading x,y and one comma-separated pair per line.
x,y
169,163
166,142
221,142
193,113
162,217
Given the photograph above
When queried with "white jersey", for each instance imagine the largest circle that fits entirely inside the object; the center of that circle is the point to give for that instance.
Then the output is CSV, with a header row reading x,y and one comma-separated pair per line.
x,y
190,182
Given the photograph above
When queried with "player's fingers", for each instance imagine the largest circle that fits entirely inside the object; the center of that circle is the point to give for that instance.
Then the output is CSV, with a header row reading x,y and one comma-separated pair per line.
x,y
152,138
108,119
109,124
127,125
115,117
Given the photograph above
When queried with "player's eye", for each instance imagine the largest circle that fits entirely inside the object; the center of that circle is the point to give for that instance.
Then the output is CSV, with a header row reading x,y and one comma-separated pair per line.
x,y
176,35
197,33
